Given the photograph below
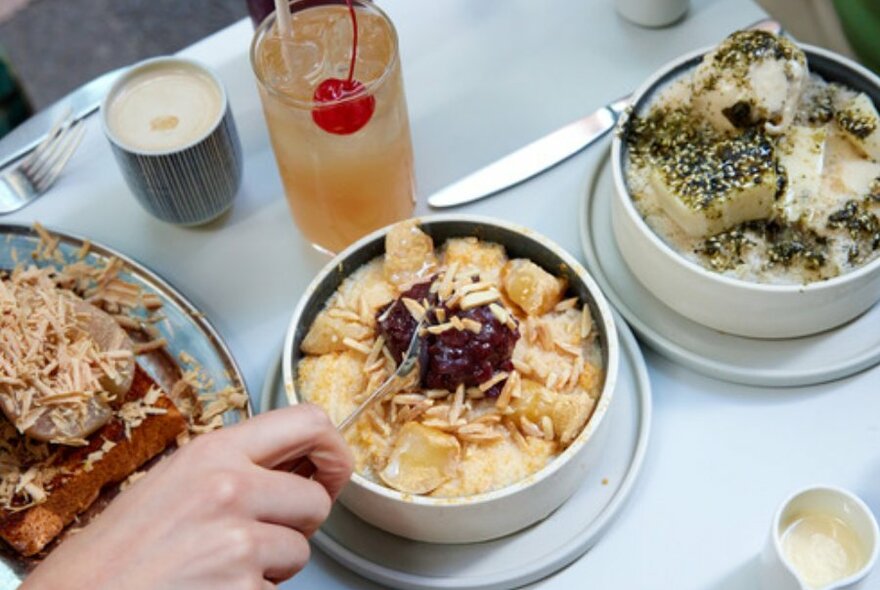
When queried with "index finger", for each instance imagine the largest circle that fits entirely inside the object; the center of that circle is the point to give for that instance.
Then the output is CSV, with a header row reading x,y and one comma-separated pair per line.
x,y
277,438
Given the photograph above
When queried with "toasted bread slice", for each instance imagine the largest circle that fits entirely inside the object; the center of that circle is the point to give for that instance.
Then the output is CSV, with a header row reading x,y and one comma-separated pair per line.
x,y
82,479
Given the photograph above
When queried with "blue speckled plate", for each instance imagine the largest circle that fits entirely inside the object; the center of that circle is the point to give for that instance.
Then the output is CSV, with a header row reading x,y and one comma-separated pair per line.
x,y
184,327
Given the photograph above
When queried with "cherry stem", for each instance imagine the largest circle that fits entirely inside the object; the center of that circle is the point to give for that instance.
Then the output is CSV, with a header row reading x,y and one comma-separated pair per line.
x,y
354,48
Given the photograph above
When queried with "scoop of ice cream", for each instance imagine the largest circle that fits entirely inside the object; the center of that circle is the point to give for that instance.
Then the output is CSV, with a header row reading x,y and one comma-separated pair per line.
x,y
751,77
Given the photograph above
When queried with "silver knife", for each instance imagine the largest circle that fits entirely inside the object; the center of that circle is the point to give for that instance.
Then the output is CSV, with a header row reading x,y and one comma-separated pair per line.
x,y
542,154
80,103
532,159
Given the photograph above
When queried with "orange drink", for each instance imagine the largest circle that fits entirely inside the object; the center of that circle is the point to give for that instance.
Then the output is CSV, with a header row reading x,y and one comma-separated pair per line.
x,y
332,94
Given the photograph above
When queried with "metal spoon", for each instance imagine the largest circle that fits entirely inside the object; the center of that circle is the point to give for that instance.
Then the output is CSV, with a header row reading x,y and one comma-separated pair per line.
x,y
303,466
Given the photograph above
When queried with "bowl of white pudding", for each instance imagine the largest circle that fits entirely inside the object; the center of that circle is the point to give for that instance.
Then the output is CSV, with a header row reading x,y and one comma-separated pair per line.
x,y
747,187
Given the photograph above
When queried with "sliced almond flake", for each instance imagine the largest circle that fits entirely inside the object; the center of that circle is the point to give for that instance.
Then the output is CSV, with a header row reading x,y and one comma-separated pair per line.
x,y
355,345
440,328
586,322
501,314
487,419
456,323
62,397
529,428
375,350
576,370
438,424
127,322
495,379
183,438
436,393
408,398
151,302
473,428
481,437
343,314
479,298
475,393
568,348
151,346
445,289
563,378
384,315
545,336
409,413
551,380
566,304
440,412
516,435
392,364
414,308
37,493
364,311
440,314
472,287
132,479
375,365
547,427
457,404
83,250
507,391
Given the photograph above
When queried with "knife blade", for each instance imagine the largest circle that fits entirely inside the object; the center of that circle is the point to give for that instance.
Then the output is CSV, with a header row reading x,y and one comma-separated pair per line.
x,y
80,103
546,152
532,159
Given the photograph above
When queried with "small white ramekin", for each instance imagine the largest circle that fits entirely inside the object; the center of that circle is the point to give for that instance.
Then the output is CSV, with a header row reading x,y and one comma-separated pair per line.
x,y
777,572
500,512
728,304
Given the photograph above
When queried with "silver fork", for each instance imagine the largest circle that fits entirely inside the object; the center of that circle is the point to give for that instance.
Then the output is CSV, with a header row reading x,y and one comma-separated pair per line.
x,y
39,170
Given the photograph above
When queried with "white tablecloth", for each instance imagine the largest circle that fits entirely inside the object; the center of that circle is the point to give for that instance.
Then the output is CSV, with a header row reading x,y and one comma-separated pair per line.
x,y
484,77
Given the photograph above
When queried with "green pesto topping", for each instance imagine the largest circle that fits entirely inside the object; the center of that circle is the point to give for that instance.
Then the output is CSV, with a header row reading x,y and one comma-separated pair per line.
x,y
820,110
861,224
743,48
699,165
857,125
736,54
874,190
724,251
788,244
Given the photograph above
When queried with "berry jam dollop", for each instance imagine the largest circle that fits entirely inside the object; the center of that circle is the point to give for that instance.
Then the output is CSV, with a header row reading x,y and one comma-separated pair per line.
x,y
453,357
337,111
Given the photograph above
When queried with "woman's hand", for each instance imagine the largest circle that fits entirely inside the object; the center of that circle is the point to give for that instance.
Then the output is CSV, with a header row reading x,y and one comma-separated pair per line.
x,y
222,512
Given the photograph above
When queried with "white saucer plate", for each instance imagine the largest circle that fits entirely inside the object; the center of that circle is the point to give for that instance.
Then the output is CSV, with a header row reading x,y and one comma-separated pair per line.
x,y
820,358
522,557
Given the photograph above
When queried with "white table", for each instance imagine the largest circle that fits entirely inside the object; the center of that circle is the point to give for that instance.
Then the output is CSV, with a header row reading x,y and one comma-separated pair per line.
x,y
484,77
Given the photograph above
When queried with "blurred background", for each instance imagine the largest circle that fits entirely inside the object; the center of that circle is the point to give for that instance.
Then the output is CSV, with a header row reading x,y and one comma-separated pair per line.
x,y
56,45
50,47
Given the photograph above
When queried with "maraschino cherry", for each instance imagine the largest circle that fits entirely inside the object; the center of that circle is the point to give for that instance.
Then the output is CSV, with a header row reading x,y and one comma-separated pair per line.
x,y
343,118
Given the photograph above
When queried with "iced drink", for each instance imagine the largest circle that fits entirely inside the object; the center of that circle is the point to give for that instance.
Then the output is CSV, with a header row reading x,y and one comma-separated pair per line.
x,y
336,112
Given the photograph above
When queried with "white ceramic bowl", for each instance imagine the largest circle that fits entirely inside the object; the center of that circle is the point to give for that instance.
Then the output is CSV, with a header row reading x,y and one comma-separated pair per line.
x,y
500,512
727,304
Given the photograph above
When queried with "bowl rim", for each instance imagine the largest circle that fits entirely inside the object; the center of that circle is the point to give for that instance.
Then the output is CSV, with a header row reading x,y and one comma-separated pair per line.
x,y
655,81
587,432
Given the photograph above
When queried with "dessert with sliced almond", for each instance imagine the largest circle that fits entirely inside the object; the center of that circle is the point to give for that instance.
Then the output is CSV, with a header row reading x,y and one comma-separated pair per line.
x,y
509,368
79,413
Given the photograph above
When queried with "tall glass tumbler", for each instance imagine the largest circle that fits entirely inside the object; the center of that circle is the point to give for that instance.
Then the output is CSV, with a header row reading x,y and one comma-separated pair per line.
x,y
339,126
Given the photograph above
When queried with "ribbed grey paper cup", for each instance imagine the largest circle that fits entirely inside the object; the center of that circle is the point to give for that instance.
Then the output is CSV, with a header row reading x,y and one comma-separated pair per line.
x,y
188,184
